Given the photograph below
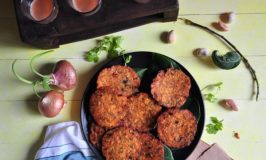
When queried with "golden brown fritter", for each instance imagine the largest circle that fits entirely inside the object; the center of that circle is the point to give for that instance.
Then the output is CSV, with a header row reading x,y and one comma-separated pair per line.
x,y
122,80
151,148
96,135
177,128
171,88
121,144
107,109
142,112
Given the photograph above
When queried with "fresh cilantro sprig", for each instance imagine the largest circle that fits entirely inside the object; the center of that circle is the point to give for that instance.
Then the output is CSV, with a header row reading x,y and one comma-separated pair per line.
x,y
214,88
215,126
127,59
109,44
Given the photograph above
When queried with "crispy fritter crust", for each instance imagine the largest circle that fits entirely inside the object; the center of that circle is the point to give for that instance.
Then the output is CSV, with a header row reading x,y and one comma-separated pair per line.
x,y
142,112
177,128
122,80
96,135
121,144
171,88
152,148
107,109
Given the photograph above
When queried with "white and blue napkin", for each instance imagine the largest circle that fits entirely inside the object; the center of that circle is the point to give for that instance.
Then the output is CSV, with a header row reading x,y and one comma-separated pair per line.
x,y
65,141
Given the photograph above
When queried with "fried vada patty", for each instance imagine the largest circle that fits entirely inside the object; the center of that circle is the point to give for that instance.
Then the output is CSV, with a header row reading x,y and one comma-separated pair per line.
x,y
122,80
121,144
142,112
96,135
151,148
171,88
177,128
107,109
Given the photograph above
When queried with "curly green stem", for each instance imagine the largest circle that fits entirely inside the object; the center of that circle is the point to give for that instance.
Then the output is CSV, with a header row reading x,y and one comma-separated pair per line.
x,y
18,76
34,89
33,59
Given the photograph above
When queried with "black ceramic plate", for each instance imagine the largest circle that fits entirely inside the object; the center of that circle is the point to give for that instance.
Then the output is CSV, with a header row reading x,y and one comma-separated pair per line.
x,y
147,65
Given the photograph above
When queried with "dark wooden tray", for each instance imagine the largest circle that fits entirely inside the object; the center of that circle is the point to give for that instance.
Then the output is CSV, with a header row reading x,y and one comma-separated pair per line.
x,y
113,16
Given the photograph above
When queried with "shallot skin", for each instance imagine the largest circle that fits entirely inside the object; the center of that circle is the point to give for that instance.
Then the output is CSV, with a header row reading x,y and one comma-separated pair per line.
x,y
220,26
229,104
51,104
64,75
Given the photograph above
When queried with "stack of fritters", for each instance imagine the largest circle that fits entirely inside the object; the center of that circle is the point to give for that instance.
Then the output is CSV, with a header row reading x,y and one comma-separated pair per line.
x,y
176,127
123,118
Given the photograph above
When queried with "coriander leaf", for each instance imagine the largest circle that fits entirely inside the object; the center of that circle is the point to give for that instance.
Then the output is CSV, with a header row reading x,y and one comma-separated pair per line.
x,y
215,125
113,53
109,44
92,55
213,88
219,85
117,41
210,97
214,120
211,129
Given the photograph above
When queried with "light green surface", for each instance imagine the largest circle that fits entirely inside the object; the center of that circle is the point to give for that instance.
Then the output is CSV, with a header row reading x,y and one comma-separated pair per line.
x,y
22,127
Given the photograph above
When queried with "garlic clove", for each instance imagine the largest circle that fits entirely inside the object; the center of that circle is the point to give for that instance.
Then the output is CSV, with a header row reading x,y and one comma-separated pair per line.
x,y
171,36
201,52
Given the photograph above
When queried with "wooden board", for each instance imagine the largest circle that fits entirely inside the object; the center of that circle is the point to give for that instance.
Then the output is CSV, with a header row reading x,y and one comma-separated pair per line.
x,y
114,15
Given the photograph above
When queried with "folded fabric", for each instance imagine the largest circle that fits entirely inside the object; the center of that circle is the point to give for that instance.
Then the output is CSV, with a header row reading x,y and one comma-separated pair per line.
x,y
64,141
201,147
204,151
214,153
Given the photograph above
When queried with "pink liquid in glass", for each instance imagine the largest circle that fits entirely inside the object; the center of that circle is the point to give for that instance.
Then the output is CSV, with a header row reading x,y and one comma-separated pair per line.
x,y
85,6
41,9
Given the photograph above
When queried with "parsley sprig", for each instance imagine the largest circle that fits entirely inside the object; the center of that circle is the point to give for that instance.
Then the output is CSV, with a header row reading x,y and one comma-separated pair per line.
x,y
214,88
109,44
215,126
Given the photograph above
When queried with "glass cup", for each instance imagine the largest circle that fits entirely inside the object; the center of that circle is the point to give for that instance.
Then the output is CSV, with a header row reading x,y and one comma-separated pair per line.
x,y
40,11
85,7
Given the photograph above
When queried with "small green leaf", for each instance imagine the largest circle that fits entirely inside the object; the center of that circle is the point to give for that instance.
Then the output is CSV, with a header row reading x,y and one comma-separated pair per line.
x,y
112,53
168,155
215,125
92,55
140,71
210,97
128,59
214,88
